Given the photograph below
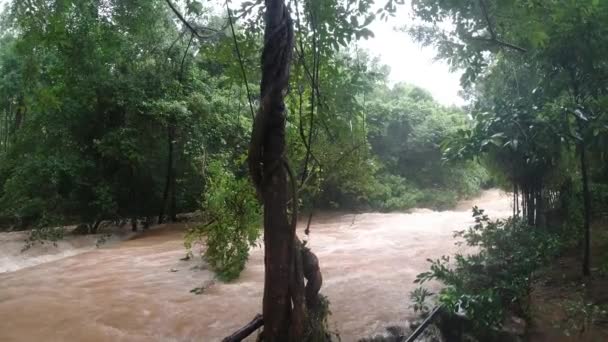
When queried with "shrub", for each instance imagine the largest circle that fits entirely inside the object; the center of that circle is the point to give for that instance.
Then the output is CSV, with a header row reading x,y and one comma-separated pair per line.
x,y
495,279
391,193
232,225
440,199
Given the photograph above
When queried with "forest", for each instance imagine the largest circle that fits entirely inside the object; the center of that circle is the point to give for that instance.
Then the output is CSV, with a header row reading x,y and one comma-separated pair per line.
x,y
243,122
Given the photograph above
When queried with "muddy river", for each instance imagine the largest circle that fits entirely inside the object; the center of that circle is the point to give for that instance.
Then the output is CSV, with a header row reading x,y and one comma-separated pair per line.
x,y
136,288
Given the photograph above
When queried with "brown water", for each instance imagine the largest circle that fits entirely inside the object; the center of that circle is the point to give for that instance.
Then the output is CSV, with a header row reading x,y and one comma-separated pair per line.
x,y
139,290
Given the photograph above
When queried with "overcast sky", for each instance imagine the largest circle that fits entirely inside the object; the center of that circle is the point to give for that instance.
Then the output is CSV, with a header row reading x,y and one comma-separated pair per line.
x,y
411,63
408,61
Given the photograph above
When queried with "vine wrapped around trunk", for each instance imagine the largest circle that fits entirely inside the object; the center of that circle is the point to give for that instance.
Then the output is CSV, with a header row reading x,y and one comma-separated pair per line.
x,y
287,262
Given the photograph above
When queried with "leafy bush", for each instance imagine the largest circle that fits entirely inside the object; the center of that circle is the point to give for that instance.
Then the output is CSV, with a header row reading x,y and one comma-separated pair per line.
x,y
439,199
392,193
495,279
467,178
232,223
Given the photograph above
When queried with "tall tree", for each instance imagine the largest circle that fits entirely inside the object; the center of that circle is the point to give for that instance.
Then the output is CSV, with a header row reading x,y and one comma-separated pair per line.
x,y
269,169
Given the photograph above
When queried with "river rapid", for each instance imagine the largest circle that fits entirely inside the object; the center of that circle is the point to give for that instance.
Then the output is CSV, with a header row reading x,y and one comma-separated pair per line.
x,y
139,289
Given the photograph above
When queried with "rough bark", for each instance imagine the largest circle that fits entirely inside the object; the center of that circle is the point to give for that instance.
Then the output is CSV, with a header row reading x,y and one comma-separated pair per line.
x,y
287,262
266,159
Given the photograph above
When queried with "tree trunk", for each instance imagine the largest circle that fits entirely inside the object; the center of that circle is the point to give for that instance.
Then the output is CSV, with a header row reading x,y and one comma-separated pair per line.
x,y
531,206
514,199
517,210
19,115
287,263
587,214
524,205
278,235
269,170
173,197
169,179
133,224
540,208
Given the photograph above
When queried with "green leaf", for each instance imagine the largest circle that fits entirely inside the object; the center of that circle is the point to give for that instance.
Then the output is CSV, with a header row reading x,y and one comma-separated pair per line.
x,y
195,7
366,33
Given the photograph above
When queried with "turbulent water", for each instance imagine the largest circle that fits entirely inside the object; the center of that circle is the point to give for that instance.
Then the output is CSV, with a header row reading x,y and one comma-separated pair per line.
x,y
139,289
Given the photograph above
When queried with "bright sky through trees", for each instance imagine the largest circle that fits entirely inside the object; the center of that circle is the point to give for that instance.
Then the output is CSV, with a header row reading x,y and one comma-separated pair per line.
x,y
410,62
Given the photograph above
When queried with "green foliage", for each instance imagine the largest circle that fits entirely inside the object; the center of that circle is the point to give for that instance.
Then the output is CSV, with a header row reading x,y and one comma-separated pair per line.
x,y
439,199
232,222
572,207
406,128
317,326
96,97
496,277
110,111
580,316
599,198
535,73
392,193
420,300
374,146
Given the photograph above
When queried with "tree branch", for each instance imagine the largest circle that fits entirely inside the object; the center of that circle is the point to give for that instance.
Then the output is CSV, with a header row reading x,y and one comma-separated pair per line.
x,y
247,330
499,42
238,54
484,10
189,26
181,69
494,37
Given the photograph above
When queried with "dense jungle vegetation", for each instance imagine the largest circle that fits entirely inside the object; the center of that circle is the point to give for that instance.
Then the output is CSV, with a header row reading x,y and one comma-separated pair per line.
x,y
536,77
113,109
143,109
